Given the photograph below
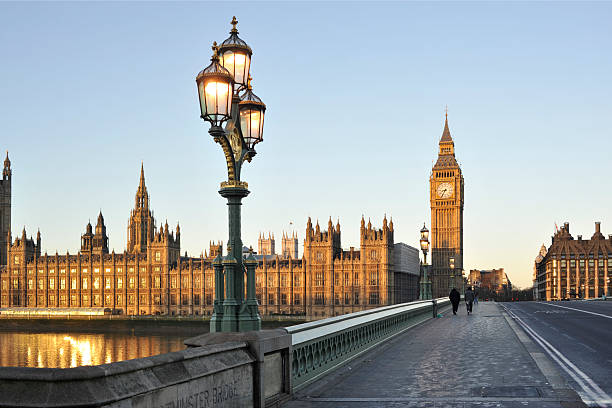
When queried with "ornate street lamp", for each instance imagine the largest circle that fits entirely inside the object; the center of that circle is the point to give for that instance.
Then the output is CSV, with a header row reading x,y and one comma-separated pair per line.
x,y
451,265
425,283
219,88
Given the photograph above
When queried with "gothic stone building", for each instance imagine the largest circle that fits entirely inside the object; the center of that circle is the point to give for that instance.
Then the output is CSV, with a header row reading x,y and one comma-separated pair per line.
x,y
446,198
573,268
150,276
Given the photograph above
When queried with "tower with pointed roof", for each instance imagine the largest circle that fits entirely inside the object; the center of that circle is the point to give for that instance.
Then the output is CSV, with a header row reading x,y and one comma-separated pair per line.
x,y
446,200
141,226
5,209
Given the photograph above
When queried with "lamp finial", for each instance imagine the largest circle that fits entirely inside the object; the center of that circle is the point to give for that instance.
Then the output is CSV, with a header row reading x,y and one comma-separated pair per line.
x,y
234,22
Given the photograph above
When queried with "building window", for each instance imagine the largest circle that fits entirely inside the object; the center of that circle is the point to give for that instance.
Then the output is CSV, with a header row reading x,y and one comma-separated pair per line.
x,y
157,256
318,299
107,270
296,280
16,260
347,281
96,283
96,300
30,284
131,300
283,282
73,300
143,283
270,298
347,298
196,299
356,297
119,283
319,279
209,300
15,283
374,298
173,299
270,281
73,284
185,282
196,282
107,283
297,299
283,298
41,284
96,270
157,281
173,282
51,283
337,299
30,272
85,300
143,299
131,282
157,300
258,297
63,283
119,270
119,300
258,280
184,300
51,300
209,281
108,300
374,278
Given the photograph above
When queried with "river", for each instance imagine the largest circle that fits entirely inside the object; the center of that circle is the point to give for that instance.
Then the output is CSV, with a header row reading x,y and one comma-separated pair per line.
x,y
64,344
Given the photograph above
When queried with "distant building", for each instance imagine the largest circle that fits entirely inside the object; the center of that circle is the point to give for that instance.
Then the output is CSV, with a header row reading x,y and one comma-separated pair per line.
x,y
572,268
494,280
266,246
5,209
290,246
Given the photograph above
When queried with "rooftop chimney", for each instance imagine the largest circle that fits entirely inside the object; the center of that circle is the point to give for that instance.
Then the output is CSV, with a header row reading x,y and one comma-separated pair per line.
x,y
566,225
598,226
579,237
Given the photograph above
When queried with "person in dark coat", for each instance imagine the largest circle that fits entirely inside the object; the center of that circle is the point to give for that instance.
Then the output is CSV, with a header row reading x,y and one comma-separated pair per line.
x,y
469,299
454,297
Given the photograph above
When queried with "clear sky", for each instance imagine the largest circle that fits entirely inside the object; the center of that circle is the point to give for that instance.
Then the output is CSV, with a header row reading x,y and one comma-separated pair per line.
x,y
355,95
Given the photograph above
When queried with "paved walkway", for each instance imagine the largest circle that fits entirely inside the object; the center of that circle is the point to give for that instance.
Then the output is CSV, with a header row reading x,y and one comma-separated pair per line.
x,y
480,360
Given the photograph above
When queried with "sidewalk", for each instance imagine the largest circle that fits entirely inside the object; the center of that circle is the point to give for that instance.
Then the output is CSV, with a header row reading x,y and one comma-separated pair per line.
x,y
452,361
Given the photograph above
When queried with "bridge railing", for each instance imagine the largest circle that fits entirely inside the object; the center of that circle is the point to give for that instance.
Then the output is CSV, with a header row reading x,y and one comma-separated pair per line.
x,y
324,345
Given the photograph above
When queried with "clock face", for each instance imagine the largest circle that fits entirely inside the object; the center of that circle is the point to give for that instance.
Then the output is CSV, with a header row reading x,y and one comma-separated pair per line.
x,y
445,190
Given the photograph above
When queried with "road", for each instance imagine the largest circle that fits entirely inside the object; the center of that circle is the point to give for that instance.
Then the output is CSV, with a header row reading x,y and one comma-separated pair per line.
x,y
577,335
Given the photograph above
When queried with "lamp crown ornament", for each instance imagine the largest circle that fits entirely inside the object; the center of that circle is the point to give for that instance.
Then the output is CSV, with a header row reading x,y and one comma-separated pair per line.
x,y
234,23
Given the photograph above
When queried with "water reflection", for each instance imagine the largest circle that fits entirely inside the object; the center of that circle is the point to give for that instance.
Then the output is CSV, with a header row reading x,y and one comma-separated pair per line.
x,y
63,350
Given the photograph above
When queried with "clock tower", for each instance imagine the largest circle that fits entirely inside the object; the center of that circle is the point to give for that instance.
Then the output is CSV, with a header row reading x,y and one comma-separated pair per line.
x,y
446,199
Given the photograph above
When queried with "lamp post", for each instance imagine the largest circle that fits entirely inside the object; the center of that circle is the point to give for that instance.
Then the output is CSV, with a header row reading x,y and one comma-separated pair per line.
x,y
226,97
425,283
451,264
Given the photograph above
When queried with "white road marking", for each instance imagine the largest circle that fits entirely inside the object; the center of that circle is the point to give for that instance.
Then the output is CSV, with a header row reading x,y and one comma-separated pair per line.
x,y
587,347
595,395
578,310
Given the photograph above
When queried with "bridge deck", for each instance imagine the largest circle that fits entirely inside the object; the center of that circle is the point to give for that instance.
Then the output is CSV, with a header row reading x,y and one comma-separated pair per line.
x,y
453,361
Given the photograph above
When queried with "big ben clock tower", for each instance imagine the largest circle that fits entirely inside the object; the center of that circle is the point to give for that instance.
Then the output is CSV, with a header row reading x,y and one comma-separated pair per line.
x,y
446,198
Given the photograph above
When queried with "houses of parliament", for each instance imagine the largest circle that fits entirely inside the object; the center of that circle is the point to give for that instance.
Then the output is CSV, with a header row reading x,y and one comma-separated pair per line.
x,y
151,277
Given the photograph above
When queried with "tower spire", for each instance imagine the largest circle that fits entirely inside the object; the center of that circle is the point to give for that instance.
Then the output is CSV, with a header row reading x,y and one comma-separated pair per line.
x,y
142,178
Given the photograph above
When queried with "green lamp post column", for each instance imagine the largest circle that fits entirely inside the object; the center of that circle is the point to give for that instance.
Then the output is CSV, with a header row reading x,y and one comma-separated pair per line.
x,y
226,97
425,283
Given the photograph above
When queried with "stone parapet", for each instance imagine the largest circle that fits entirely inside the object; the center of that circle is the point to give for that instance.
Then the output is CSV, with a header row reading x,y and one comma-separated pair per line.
x,y
219,375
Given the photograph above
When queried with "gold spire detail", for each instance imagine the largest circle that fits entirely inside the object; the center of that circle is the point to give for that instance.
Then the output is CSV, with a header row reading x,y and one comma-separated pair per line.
x,y
234,22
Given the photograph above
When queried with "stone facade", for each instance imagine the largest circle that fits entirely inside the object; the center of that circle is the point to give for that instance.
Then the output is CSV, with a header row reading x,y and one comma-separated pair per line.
x,y
494,280
266,246
150,277
572,268
5,209
290,246
446,199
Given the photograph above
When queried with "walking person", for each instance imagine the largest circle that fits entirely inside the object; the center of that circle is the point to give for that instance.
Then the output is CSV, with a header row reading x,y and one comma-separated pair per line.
x,y
454,297
475,295
469,299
